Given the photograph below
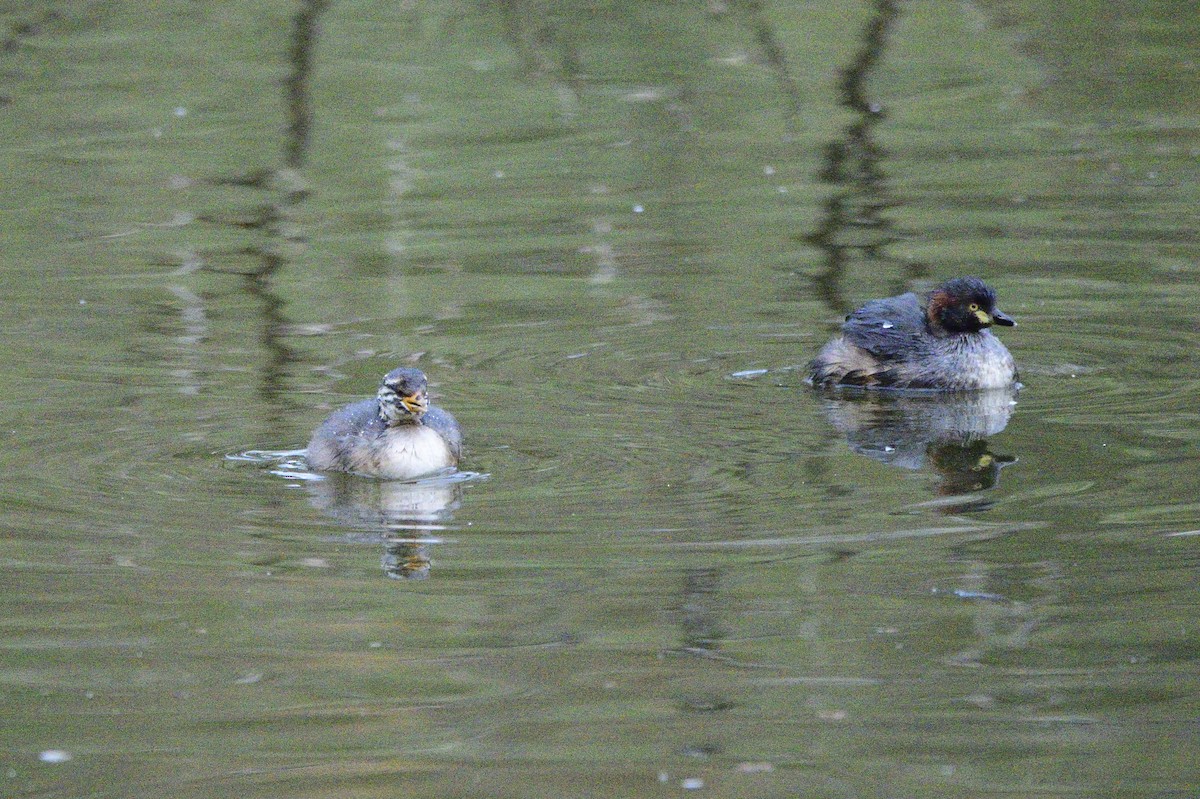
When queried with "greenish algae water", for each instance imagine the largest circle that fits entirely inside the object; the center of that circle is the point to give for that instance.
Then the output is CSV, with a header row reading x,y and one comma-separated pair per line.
x,y
609,233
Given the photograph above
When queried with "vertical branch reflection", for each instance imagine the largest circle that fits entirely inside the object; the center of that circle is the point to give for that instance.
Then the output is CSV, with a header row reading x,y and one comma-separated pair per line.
x,y
280,190
776,58
853,221
272,387
290,190
305,30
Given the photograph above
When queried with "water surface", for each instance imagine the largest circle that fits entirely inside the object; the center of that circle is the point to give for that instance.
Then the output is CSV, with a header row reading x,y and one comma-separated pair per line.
x,y
609,233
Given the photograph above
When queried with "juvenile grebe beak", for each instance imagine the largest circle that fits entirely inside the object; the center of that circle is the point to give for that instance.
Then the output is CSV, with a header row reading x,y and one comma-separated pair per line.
x,y
416,403
1000,319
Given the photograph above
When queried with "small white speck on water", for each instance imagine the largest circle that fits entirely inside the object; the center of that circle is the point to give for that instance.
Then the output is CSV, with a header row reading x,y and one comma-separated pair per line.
x,y
637,209
888,325
692,784
768,170
180,111
54,756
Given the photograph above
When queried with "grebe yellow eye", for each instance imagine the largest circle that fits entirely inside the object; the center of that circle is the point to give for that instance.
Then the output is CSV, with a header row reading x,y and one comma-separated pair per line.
x,y
973,307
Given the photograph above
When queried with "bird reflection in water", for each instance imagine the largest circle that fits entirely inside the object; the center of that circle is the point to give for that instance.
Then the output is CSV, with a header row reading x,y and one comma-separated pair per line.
x,y
405,515
946,433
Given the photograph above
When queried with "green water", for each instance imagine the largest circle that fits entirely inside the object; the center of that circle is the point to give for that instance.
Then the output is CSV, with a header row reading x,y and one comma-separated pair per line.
x,y
594,225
